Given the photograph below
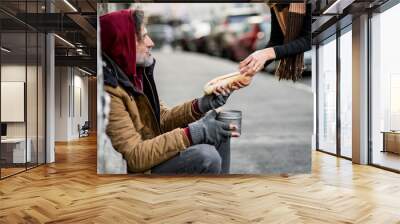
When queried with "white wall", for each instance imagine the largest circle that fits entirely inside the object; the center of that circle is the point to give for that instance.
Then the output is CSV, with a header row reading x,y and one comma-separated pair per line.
x,y
70,83
14,73
81,82
61,103
33,126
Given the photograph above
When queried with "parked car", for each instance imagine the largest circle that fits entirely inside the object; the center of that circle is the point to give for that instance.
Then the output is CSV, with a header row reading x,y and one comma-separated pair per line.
x,y
237,16
176,25
201,31
253,35
185,41
237,40
222,35
214,41
161,34
193,35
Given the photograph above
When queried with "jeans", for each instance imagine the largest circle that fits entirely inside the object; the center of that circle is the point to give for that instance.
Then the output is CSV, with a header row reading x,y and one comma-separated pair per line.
x,y
197,159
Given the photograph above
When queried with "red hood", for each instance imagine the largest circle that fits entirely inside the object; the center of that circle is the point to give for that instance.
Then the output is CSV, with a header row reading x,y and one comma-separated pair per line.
x,y
118,41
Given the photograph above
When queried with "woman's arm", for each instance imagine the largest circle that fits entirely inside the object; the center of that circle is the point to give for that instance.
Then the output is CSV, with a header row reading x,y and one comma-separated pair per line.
x,y
256,61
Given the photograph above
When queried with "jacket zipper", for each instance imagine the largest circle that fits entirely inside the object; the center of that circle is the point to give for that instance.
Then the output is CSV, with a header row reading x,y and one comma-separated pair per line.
x,y
152,94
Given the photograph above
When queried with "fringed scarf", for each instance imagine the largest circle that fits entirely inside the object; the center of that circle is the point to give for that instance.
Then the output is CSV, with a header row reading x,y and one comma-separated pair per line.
x,y
290,18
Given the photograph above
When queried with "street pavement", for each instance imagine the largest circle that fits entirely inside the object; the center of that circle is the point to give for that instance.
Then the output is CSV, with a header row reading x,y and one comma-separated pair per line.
x,y
277,121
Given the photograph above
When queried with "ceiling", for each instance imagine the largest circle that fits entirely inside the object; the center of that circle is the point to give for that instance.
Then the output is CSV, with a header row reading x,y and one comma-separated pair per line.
x,y
337,14
21,22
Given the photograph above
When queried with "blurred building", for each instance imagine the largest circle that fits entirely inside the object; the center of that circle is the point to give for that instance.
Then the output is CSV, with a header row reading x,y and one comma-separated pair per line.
x,y
195,11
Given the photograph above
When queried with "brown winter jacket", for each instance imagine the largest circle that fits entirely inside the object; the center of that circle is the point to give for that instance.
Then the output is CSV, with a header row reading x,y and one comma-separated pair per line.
x,y
135,131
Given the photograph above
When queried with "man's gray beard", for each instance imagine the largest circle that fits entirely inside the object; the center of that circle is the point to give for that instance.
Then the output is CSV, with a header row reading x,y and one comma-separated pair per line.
x,y
144,61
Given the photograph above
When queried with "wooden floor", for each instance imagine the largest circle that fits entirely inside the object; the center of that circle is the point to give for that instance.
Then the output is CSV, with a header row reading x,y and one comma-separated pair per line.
x,y
10,171
387,159
70,191
5,172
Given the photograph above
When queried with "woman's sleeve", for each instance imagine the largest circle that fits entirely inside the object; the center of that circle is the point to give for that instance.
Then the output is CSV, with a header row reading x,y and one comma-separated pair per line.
x,y
300,44
276,36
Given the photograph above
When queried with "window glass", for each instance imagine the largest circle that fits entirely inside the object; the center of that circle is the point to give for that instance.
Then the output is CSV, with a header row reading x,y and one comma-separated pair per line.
x,y
346,94
327,96
385,87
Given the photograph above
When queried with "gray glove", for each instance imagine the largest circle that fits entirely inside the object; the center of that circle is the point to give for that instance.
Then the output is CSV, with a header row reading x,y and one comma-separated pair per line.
x,y
212,101
207,130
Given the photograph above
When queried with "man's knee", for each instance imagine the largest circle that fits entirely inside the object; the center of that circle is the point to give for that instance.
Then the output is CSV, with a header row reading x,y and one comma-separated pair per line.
x,y
208,158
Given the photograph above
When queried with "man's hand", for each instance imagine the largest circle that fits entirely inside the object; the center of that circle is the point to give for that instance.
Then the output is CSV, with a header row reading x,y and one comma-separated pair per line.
x,y
255,62
213,101
241,83
208,130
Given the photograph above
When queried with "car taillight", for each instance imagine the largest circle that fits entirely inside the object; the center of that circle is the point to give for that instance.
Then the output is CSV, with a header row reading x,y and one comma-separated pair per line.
x,y
226,23
260,35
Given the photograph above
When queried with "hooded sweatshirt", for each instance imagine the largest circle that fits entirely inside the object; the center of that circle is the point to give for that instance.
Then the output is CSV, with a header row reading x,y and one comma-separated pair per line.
x,y
118,41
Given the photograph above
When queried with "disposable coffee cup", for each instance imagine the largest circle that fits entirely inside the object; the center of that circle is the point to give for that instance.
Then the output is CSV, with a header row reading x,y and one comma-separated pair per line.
x,y
232,117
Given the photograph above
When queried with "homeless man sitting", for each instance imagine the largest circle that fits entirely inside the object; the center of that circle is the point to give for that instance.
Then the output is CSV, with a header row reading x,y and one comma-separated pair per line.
x,y
151,137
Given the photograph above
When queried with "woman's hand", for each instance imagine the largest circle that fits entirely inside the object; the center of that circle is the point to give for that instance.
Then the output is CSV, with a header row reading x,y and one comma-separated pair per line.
x,y
255,62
